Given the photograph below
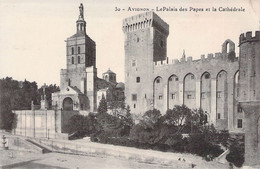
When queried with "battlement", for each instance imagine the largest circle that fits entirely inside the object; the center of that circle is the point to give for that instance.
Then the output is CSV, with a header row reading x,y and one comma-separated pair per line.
x,y
63,71
144,20
247,37
210,56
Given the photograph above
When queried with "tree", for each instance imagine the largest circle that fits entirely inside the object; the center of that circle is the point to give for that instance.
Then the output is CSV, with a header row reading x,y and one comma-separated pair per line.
x,y
149,129
178,117
102,108
205,142
17,95
7,117
237,150
127,122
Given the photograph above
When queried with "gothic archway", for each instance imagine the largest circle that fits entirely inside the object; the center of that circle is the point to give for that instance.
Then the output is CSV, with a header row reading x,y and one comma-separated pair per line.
x,y
67,104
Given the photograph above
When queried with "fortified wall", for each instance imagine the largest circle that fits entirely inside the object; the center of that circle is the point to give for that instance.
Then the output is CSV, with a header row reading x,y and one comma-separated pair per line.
x,y
208,83
154,81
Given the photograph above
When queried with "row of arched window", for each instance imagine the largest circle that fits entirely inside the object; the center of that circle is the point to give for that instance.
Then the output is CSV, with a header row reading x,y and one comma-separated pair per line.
x,y
73,61
72,50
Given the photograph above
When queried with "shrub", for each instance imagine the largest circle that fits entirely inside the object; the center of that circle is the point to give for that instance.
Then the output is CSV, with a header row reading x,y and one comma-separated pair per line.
x,y
237,150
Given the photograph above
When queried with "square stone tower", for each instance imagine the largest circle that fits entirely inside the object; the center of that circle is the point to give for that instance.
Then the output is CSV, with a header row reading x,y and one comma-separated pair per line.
x,y
145,43
81,71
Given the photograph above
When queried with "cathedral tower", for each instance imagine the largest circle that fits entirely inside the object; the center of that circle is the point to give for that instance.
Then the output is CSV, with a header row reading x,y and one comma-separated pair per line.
x,y
145,42
81,71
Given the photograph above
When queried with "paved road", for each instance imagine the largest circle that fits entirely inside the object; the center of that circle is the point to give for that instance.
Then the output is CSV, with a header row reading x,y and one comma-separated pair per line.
x,y
64,161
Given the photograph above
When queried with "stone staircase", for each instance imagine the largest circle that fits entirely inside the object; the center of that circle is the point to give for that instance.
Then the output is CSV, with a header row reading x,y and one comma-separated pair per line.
x,y
43,148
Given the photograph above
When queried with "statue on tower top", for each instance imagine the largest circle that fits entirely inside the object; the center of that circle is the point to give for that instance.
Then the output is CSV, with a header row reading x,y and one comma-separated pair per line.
x,y
81,11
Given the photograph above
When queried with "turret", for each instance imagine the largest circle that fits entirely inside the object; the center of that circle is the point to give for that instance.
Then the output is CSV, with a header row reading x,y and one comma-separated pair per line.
x,y
249,94
81,23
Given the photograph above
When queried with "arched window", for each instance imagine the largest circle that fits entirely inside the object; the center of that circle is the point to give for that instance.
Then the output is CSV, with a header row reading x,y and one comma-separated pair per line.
x,y
78,59
78,50
72,60
72,51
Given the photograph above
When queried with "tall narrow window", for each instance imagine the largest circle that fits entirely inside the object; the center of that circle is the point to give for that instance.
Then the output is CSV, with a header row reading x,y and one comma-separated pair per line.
x,y
78,59
219,115
239,123
78,50
137,79
72,51
72,60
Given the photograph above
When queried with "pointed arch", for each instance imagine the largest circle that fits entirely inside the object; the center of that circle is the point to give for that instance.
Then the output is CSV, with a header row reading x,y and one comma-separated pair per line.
x,y
189,90
222,95
205,95
158,97
173,91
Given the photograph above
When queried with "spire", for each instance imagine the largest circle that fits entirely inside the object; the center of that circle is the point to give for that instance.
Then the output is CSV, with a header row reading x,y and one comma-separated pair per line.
x,y
81,23
183,55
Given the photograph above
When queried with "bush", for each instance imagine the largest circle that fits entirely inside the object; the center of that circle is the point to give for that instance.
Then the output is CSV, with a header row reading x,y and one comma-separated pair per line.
x,y
237,150
205,143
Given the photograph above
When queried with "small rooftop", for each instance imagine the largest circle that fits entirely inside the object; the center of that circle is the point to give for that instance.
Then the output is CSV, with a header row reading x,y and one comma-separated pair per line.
x,y
109,72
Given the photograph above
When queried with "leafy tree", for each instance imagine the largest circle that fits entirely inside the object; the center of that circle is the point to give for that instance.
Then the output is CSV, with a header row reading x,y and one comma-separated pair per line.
x,y
81,126
7,117
77,123
237,150
17,95
127,122
223,138
102,108
178,117
204,142
149,129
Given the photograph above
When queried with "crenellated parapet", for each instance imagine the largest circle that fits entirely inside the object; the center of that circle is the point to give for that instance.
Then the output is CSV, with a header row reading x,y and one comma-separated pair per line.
x,y
144,20
225,55
64,71
248,37
210,56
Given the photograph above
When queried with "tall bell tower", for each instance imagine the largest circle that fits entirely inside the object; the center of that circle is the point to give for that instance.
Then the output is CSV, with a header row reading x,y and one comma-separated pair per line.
x,y
81,71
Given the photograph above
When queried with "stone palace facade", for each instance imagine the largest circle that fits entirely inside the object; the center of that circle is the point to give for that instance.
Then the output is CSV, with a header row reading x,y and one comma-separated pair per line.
x,y
154,81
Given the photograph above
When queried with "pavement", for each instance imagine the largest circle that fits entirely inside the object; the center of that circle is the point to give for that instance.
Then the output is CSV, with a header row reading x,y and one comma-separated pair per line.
x,y
17,158
26,160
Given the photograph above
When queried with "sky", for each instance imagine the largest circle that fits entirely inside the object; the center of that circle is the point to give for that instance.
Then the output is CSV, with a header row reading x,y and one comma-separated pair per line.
x,y
33,32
